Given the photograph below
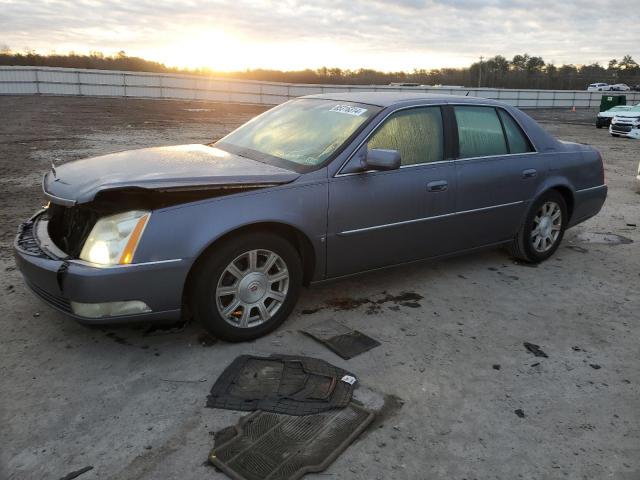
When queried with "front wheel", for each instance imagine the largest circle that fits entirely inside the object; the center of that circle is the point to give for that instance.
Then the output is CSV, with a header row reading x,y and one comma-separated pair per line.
x,y
543,229
247,286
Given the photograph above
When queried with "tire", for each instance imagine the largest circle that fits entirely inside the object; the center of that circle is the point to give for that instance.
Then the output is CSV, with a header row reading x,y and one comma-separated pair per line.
x,y
235,304
526,245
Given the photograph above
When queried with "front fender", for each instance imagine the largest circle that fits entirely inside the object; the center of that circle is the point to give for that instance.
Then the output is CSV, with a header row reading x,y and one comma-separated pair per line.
x,y
185,231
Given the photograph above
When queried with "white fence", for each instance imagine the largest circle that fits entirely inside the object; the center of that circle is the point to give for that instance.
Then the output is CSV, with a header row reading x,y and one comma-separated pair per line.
x,y
109,83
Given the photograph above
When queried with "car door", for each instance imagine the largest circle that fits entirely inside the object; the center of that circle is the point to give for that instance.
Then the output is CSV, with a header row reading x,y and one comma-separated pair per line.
x,y
380,218
497,173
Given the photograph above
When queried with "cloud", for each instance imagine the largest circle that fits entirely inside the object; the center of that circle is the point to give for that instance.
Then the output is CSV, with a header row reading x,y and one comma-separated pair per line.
x,y
384,34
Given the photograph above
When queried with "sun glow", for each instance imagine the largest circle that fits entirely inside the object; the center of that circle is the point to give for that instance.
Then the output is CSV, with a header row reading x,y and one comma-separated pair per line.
x,y
224,51
217,50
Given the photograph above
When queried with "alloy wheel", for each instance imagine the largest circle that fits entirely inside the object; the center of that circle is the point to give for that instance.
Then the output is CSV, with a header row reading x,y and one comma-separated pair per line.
x,y
252,288
547,226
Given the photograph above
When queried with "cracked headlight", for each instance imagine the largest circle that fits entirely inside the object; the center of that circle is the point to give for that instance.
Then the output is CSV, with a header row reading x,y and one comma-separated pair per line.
x,y
113,239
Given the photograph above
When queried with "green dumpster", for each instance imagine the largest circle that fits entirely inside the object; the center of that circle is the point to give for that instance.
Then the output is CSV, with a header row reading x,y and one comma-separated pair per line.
x,y
609,101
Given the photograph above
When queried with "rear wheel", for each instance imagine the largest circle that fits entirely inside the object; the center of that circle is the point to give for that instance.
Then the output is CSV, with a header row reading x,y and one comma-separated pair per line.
x,y
543,229
247,286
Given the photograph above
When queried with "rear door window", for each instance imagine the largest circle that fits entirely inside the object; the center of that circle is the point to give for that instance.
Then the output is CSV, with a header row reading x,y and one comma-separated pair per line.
x,y
416,133
517,141
480,132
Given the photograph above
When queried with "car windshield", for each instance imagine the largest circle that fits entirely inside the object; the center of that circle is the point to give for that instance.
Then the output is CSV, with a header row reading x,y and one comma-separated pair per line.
x,y
300,134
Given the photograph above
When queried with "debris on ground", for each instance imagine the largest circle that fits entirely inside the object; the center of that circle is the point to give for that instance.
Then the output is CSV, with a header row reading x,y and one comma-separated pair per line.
x,y
535,349
595,366
285,384
305,416
77,473
283,447
310,311
340,339
496,367
519,412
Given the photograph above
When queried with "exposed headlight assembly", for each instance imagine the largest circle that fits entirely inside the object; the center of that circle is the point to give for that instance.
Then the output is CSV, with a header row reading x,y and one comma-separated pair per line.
x,y
114,239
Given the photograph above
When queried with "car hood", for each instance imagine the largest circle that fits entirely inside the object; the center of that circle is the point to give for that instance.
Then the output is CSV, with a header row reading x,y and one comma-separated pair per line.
x,y
609,113
181,167
628,115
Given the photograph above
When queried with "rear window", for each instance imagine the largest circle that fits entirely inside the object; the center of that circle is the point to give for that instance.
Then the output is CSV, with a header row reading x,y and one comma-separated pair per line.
x,y
517,142
479,132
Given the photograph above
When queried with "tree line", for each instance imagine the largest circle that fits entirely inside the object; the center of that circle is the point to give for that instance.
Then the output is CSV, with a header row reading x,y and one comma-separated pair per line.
x,y
522,71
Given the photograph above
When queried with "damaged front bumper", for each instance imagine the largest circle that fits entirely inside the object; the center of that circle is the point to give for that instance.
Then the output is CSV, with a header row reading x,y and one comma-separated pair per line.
x,y
124,293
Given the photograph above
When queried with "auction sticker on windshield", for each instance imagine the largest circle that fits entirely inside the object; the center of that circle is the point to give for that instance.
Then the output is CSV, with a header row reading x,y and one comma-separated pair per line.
x,y
349,110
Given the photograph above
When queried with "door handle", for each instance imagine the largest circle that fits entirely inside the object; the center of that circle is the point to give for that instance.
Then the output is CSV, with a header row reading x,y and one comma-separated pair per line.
x,y
438,186
530,173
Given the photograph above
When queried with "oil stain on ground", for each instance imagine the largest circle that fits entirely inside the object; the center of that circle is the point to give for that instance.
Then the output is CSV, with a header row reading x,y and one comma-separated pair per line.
x,y
118,339
341,304
206,340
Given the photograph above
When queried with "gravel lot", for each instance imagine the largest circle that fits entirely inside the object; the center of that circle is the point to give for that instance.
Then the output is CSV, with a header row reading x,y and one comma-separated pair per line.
x,y
454,371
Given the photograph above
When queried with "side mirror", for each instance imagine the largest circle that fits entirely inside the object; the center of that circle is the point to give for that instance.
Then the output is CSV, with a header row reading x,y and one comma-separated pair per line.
x,y
379,159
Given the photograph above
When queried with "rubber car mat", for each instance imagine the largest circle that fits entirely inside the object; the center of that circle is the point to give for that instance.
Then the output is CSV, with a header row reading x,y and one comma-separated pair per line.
x,y
282,384
340,339
271,446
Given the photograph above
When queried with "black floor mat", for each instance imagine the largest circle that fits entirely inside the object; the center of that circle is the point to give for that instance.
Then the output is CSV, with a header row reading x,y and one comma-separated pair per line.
x,y
282,384
281,447
341,339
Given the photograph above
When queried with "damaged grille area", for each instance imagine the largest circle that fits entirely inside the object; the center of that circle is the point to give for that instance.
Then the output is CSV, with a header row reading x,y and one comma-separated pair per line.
x,y
69,227
26,240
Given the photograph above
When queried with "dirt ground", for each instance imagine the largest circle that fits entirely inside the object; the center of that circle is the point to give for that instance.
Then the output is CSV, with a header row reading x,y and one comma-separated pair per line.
x,y
465,399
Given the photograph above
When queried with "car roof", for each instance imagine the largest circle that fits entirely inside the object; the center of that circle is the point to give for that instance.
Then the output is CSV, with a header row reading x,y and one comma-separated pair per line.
x,y
386,99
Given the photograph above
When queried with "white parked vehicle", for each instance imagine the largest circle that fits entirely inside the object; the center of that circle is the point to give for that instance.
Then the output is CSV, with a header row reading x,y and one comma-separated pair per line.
x,y
604,118
626,124
599,87
619,87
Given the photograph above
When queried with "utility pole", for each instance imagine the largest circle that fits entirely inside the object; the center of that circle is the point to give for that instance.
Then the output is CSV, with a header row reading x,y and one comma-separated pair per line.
x,y
480,72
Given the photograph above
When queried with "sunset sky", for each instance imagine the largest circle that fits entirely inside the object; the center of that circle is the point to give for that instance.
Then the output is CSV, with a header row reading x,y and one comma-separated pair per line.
x,y
290,34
